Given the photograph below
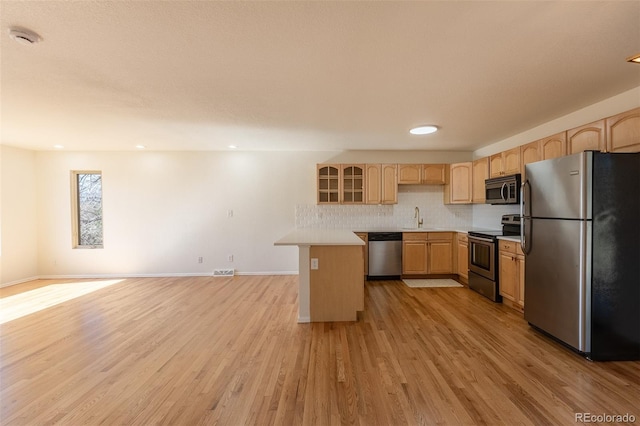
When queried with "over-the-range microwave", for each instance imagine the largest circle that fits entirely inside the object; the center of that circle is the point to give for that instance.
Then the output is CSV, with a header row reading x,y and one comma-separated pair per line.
x,y
503,190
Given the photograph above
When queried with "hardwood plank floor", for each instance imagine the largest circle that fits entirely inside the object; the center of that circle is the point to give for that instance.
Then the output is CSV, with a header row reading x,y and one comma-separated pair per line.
x,y
228,351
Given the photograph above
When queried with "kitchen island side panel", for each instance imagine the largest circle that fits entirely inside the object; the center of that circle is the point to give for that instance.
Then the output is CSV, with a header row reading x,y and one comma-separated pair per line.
x,y
336,287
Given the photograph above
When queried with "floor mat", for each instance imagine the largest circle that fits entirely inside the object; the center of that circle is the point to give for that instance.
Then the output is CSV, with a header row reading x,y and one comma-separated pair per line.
x,y
432,283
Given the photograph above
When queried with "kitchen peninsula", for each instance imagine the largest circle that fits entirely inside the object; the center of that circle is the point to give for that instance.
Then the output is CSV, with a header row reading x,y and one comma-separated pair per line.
x,y
331,282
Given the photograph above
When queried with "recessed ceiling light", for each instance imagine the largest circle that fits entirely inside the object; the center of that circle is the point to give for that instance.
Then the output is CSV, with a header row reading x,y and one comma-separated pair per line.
x,y
232,147
423,130
24,36
634,59
58,146
140,146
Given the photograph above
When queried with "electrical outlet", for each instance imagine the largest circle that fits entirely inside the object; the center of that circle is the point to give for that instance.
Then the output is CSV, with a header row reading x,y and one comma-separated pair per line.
x,y
200,259
229,213
230,258
314,263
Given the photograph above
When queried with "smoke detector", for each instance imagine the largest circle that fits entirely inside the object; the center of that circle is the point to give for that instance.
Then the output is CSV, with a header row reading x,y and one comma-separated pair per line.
x,y
24,36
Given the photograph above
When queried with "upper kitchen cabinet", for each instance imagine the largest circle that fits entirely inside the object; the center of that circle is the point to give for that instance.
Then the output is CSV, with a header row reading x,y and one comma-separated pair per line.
x,y
553,146
381,183
433,174
352,183
457,190
409,173
623,132
588,137
529,153
505,163
426,174
389,184
328,183
480,174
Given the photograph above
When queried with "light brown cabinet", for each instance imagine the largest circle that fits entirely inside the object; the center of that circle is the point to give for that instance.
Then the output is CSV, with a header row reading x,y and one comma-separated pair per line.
x,y
457,190
511,262
463,257
340,183
329,183
365,250
414,253
425,253
505,163
352,190
433,174
425,174
529,153
381,182
553,146
409,173
373,184
389,184
588,137
480,173
623,132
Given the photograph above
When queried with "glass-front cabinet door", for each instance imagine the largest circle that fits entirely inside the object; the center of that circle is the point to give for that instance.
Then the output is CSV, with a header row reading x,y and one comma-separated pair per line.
x,y
353,183
328,184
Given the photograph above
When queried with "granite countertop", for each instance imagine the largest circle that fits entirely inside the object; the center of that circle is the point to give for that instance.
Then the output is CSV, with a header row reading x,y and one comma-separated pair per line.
x,y
320,237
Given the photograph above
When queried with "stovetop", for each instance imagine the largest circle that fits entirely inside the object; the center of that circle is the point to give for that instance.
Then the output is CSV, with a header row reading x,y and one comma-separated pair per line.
x,y
510,227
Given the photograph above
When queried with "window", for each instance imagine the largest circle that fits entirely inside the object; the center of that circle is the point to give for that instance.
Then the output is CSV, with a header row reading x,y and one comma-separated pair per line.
x,y
86,208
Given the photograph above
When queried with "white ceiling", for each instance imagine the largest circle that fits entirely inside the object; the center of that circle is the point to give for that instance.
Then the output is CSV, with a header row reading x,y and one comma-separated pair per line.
x,y
305,75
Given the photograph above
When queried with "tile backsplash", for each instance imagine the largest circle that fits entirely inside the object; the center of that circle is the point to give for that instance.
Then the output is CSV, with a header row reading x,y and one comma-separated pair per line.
x,y
489,217
428,198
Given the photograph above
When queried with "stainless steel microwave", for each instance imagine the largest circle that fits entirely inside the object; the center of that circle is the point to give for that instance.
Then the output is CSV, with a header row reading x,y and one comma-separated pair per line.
x,y
503,190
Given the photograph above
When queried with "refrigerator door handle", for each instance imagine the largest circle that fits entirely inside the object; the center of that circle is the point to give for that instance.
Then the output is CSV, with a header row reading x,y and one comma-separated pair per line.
x,y
524,200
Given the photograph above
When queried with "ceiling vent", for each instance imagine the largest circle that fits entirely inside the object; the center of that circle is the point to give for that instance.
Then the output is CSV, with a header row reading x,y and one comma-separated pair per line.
x,y
24,36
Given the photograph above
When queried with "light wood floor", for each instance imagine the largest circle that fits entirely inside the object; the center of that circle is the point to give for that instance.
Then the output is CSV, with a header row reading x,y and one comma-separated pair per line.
x,y
228,351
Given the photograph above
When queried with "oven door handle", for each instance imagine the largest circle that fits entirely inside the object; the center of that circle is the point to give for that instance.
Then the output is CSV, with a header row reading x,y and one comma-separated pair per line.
x,y
486,240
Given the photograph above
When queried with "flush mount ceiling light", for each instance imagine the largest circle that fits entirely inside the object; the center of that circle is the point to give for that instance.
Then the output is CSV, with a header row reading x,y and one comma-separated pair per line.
x,y
423,130
232,147
635,59
140,147
58,146
24,36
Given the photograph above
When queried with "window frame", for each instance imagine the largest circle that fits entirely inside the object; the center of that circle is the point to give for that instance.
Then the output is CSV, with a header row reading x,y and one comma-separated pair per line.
x,y
75,210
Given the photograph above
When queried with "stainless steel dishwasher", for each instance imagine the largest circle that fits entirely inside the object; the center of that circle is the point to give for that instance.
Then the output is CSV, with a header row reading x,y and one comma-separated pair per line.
x,y
385,255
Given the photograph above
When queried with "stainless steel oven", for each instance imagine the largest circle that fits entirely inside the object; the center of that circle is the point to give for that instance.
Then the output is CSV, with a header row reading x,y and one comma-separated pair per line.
x,y
482,256
483,265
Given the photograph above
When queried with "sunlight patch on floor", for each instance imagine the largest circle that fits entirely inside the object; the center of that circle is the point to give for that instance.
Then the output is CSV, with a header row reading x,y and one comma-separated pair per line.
x,y
29,302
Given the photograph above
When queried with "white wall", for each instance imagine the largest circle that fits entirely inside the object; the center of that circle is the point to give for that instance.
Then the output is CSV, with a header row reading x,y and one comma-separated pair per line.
x,y
163,210
18,209
623,102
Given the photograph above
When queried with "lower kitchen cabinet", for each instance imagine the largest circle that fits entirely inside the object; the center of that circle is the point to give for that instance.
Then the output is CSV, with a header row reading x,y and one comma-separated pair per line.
x,y
425,253
511,273
414,253
463,257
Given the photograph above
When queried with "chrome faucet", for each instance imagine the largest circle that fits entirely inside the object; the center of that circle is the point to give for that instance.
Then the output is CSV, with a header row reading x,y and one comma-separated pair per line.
x,y
416,216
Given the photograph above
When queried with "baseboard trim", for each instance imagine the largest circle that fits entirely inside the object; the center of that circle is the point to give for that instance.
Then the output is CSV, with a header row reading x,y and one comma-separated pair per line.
x,y
24,280
165,275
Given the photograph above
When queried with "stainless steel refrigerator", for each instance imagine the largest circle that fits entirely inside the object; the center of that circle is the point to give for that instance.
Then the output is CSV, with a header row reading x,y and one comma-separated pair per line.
x,y
581,239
